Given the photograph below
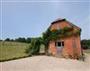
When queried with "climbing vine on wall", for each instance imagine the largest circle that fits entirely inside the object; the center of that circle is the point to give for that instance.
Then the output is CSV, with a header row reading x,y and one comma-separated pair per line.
x,y
60,33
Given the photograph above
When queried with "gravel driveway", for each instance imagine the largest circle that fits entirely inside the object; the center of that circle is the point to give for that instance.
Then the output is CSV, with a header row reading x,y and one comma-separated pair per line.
x,y
45,63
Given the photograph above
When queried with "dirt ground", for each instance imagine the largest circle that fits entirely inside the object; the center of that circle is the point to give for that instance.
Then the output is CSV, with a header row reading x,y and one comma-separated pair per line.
x,y
46,63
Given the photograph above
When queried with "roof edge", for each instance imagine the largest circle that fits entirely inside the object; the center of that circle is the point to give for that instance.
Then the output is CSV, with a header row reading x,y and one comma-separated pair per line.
x,y
59,20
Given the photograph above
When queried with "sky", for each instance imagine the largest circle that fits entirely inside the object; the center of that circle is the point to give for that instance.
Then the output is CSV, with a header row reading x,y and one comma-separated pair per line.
x,y
30,18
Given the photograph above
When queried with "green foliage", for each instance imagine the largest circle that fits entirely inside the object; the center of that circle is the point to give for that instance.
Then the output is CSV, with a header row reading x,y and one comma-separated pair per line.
x,y
46,37
78,32
85,44
28,40
68,29
7,39
20,39
34,47
53,35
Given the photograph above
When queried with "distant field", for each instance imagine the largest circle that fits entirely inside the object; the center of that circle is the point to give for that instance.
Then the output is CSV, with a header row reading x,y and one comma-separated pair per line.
x,y
12,50
87,51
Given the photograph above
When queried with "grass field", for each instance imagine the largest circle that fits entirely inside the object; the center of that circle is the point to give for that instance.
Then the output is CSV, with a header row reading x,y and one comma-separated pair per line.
x,y
87,51
12,50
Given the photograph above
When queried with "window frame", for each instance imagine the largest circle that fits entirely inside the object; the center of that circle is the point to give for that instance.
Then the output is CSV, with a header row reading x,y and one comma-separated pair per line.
x,y
59,42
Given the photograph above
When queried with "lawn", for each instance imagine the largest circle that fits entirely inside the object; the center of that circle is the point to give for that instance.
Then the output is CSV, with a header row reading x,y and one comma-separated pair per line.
x,y
12,50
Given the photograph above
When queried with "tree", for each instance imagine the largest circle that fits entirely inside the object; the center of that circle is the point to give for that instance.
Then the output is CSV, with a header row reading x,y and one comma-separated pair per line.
x,y
34,47
46,38
28,40
7,39
0,39
85,44
20,39
12,40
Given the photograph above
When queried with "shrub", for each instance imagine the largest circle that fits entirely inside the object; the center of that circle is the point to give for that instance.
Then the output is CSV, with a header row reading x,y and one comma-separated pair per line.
x,y
34,47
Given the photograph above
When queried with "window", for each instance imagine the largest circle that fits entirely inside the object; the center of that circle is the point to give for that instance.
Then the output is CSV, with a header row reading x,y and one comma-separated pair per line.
x,y
60,43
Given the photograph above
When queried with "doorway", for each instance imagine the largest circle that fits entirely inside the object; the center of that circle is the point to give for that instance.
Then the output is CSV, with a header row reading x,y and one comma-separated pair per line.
x,y
59,46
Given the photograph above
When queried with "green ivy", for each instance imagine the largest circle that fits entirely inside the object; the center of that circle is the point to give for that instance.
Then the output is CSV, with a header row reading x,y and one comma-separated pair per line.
x,y
65,32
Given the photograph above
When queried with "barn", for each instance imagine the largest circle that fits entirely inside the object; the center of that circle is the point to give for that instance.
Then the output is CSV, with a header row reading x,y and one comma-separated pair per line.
x,y
64,39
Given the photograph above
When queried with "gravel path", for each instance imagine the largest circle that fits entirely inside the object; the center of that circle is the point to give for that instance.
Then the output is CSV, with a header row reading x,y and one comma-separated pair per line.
x,y
45,63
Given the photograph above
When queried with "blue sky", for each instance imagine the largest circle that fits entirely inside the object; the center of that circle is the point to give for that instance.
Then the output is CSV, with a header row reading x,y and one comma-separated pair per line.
x,y
31,19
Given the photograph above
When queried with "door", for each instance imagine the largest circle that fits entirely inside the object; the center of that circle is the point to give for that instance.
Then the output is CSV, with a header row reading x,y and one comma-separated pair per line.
x,y
59,46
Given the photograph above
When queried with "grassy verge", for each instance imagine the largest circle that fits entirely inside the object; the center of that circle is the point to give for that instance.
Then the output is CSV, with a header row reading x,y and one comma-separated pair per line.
x,y
12,51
